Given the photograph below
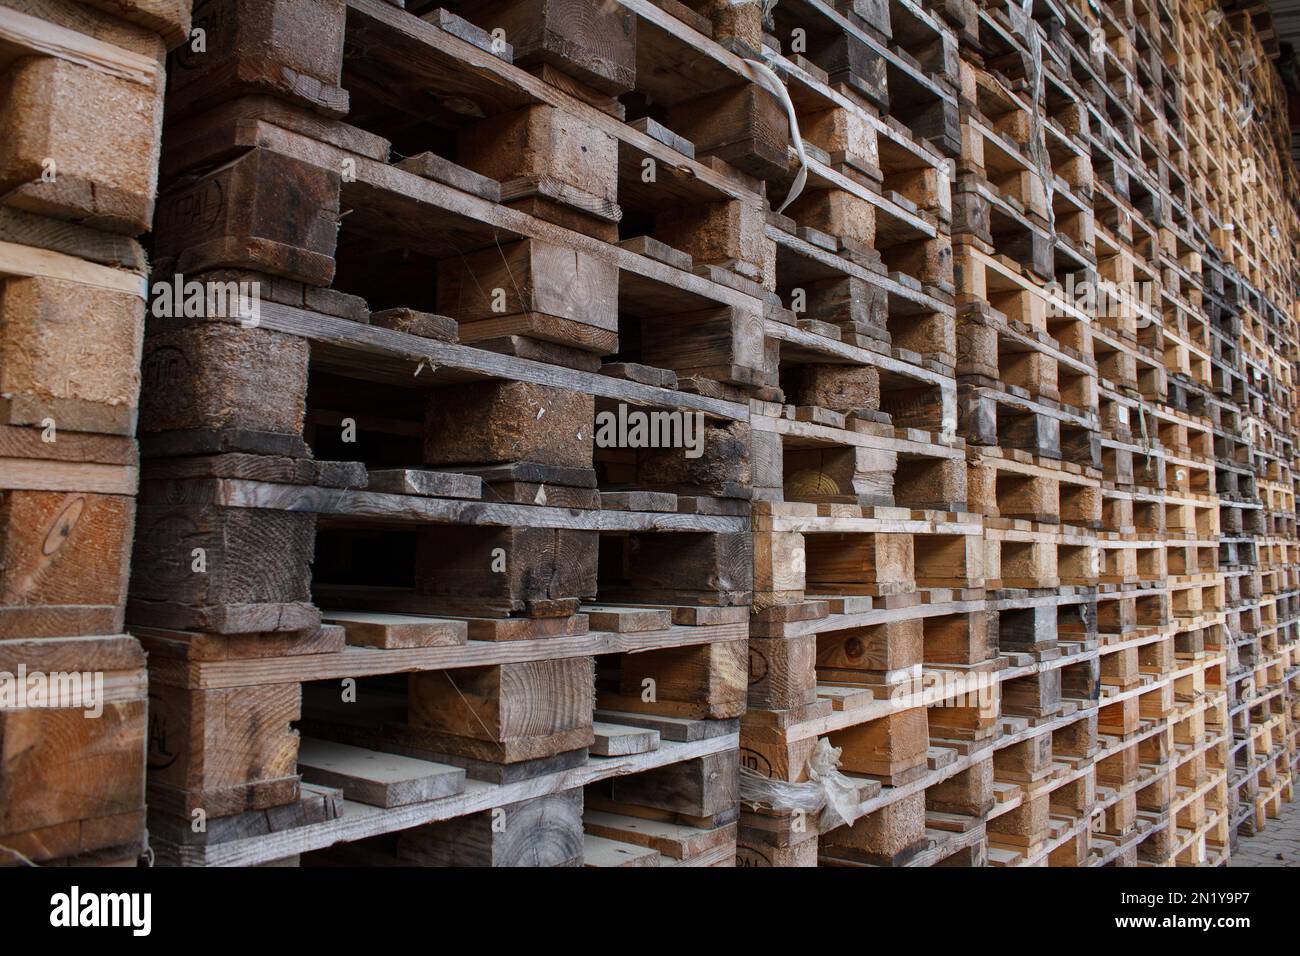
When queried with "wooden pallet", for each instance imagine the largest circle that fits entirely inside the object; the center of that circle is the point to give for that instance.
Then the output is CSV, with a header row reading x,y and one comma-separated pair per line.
x,y
80,115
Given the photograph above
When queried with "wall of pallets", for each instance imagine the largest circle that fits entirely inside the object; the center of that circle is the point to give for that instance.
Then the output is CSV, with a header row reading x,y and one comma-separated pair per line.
x,y
81,101
989,554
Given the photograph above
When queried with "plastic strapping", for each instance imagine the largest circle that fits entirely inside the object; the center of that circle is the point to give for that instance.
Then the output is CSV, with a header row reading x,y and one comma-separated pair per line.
x,y
826,791
1146,438
841,793
763,75
1037,131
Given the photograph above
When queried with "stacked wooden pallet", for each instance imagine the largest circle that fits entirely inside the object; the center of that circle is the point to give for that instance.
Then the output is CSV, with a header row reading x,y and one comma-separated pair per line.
x,y
652,433
868,563
1149,217
1098,397
81,89
1250,296
381,512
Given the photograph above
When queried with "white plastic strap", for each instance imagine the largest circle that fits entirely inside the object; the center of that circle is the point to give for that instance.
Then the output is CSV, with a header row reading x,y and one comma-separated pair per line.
x,y
827,790
763,75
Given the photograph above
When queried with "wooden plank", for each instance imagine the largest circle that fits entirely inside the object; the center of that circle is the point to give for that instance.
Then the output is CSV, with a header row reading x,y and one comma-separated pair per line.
x,y
374,778
469,32
239,494
845,698
666,136
614,740
427,325
627,620
362,661
435,167
118,252
42,475
425,481
18,260
542,831
673,840
638,501
358,821
598,851
368,344
22,34
315,804
669,728
375,629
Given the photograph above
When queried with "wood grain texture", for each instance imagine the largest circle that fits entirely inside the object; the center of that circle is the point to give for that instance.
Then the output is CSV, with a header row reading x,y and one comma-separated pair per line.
x,y
595,43
223,751
545,831
71,354
264,211
524,702
374,629
218,376
234,542
69,783
102,127
707,681
378,779
64,549
506,422
287,48
502,570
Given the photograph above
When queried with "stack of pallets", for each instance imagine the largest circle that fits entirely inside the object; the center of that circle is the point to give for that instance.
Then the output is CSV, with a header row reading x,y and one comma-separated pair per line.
x,y
415,538
1248,288
652,433
81,98
868,564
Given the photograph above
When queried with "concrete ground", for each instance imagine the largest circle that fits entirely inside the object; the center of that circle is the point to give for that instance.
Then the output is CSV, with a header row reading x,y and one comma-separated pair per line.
x,y
1277,845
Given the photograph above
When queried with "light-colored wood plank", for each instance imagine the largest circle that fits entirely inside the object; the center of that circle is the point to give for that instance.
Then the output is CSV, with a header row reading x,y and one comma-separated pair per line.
x,y
22,34
615,740
390,631
599,851
627,620
16,260
375,778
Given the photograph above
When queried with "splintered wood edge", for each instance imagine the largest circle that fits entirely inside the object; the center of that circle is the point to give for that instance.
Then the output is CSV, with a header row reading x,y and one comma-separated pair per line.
x,y
43,38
